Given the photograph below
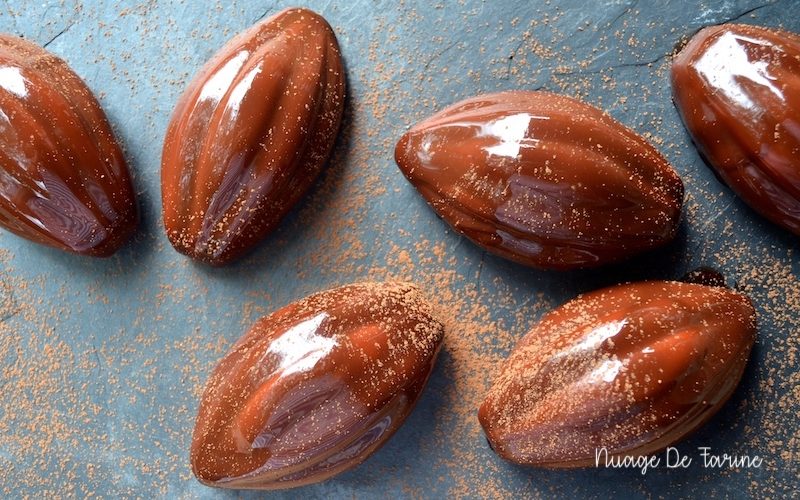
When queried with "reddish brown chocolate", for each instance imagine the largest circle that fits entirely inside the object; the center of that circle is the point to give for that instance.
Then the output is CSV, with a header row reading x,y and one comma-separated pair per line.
x,y
632,368
250,134
316,387
737,88
63,180
543,179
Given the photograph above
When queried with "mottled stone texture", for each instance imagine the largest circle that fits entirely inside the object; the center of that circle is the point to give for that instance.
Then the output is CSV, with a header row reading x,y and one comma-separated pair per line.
x,y
103,361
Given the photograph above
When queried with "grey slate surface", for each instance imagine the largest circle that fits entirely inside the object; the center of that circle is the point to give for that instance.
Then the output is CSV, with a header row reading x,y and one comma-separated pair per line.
x,y
103,360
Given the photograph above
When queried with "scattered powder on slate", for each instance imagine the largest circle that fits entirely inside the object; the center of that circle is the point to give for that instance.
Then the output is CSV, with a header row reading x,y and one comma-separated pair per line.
x,y
45,380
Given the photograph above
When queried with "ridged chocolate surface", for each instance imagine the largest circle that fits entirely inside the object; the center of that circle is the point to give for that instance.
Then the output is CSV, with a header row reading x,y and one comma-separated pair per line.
x,y
250,134
632,368
737,89
314,388
543,179
63,179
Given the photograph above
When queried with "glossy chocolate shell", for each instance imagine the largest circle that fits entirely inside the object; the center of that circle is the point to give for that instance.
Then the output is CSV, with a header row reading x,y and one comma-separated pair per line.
x,y
250,134
737,89
63,180
316,387
543,179
632,369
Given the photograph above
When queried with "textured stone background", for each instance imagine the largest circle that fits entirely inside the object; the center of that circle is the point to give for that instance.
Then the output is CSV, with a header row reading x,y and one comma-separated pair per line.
x,y
103,360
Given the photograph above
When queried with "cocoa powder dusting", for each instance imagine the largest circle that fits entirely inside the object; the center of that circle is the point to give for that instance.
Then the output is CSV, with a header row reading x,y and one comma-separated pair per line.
x,y
104,362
